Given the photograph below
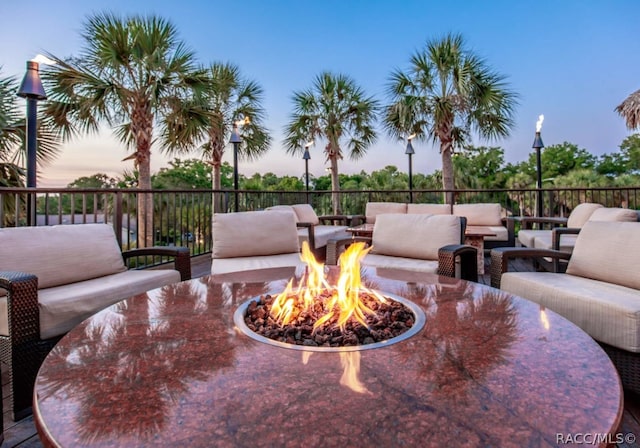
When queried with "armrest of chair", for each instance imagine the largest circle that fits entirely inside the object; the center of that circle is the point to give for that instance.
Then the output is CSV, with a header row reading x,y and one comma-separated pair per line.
x,y
556,232
509,223
336,220
468,261
22,306
356,220
335,247
181,256
527,221
501,256
311,234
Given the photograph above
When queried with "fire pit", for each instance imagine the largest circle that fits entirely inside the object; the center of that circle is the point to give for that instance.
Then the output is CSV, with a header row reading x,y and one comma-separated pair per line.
x,y
318,315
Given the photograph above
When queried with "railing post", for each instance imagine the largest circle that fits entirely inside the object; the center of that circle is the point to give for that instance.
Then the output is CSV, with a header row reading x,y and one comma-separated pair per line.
x,y
117,217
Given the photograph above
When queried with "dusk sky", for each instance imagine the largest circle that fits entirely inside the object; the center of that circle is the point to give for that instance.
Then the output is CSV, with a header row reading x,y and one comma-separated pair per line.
x,y
572,60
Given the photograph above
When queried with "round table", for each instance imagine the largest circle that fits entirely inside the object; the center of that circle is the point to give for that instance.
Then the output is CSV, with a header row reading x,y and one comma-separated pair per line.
x,y
168,368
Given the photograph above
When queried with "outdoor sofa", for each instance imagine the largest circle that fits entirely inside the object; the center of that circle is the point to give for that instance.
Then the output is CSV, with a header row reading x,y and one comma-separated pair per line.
x,y
54,277
599,292
489,215
416,242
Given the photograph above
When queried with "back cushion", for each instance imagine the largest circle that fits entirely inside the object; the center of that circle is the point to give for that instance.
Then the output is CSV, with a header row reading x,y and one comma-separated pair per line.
x,y
283,208
581,214
414,236
608,251
63,254
247,234
613,214
480,214
305,213
430,209
374,209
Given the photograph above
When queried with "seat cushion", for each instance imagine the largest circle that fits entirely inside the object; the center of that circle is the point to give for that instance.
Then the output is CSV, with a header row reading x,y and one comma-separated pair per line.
x,y
321,233
581,214
414,236
501,234
430,209
609,313
246,234
527,237
486,214
608,251
61,254
408,264
63,307
305,213
567,242
239,264
373,209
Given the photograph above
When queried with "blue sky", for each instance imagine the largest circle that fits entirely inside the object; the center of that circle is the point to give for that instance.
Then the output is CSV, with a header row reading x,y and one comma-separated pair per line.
x,y
572,60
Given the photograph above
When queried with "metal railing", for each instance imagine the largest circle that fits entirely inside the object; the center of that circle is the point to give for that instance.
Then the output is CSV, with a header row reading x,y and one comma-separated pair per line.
x,y
183,217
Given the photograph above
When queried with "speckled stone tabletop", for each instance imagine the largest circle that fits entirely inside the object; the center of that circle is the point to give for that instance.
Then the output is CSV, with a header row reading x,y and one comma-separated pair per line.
x,y
169,368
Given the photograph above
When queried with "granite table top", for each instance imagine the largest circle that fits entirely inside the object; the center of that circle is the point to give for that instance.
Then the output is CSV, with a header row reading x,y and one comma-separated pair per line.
x,y
170,368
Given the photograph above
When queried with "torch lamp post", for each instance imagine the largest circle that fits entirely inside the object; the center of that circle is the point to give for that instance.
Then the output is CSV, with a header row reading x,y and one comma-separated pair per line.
x,y
410,152
306,157
31,89
538,145
236,140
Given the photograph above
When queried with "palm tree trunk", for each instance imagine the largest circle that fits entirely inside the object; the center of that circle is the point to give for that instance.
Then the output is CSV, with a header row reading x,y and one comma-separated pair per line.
x,y
145,203
335,186
216,184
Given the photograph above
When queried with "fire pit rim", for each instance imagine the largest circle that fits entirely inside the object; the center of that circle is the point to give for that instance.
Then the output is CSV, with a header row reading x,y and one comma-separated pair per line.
x,y
419,322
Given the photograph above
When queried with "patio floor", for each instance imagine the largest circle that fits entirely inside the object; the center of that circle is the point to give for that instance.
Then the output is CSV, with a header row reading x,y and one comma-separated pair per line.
x,y
23,433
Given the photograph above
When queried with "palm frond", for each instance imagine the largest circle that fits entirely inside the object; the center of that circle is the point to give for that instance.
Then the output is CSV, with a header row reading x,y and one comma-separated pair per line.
x,y
629,109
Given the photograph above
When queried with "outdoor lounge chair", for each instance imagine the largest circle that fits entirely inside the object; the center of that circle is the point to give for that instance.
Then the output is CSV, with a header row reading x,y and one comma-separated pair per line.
x,y
599,292
254,240
54,277
416,242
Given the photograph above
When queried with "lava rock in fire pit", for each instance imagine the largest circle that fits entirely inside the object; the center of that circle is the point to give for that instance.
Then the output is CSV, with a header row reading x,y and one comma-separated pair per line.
x,y
388,321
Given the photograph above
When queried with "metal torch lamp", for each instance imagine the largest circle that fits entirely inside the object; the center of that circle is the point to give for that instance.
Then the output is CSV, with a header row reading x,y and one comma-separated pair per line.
x,y
236,140
410,152
306,157
538,145
31,89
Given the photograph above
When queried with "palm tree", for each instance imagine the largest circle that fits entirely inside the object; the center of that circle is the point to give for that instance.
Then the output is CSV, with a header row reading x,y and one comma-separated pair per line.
x,y
229,97
135,75
629,109
335,109
447,93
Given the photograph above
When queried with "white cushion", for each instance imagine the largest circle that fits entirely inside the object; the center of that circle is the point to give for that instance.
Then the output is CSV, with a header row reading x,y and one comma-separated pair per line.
x,y
608,251
321,233
246,234
609,313
527,237
408,264
373,209
614,214
305,213
61,254
567,242
581,214
239,264
429,209
63,307
414,236
501,234
480,214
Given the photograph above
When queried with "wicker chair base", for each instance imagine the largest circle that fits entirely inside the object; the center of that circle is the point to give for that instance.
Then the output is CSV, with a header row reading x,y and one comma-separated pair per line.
x,y
628,366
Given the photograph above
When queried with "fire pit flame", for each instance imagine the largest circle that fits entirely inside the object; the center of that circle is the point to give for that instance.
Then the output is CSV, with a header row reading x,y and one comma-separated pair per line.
x,y
342,300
